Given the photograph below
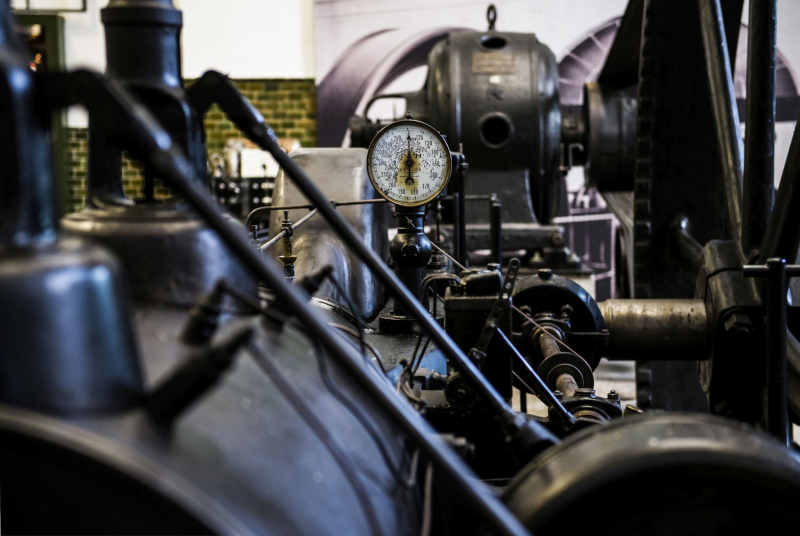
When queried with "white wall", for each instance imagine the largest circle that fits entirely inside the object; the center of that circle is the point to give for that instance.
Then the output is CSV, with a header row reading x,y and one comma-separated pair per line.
x,y
248,38
242,38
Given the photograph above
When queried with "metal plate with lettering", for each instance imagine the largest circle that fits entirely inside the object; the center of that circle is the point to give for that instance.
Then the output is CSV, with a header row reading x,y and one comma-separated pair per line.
x,y
493,63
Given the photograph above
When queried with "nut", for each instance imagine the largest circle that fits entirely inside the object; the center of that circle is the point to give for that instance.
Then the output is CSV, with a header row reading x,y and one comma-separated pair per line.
x,y
737,324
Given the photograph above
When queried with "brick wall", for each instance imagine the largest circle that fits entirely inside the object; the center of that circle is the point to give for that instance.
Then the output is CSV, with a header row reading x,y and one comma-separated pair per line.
x,y
289,106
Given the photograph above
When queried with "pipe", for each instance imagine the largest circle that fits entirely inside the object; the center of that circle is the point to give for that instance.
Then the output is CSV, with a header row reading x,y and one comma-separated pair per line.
x,y
275,239
496,231
689,250
656,330
726,115
759,156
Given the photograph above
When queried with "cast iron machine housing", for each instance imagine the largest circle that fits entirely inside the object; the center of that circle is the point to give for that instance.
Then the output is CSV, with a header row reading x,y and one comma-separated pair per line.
x,y
243,418
496,94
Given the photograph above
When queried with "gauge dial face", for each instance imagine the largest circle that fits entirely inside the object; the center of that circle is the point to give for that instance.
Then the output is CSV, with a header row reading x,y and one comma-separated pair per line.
x,y
409,163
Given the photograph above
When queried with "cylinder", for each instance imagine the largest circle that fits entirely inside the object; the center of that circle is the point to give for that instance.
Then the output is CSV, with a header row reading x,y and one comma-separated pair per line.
x,y
656,330
152,28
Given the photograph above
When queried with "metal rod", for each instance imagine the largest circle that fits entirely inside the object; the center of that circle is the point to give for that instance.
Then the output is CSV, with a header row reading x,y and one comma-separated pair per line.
x,y
689,250
277,238
759,156
538,386
496,231
475,197
462,206
485,502
775,413
297,207
726,115
457,230
783,232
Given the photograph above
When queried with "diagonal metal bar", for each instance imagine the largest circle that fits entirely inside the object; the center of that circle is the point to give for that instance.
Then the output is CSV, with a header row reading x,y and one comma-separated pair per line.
x,y
726,115
783,232
759,157
621,68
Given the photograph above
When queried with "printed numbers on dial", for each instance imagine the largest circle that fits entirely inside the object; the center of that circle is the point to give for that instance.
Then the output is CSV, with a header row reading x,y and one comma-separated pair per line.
x,y
409,163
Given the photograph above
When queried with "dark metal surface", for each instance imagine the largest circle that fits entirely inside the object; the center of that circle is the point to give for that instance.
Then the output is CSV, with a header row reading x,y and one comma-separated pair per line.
x,y
170,256
688,252
695,475
775,416
410,250
676,173
621,68
673,330
531,436
257,462
340,174
553,294
67,343
466,314
496,93
611,136
499,124
726,116
759,156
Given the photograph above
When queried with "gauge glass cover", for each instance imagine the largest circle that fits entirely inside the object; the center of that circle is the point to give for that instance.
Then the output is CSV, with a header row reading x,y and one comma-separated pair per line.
x,y
409,163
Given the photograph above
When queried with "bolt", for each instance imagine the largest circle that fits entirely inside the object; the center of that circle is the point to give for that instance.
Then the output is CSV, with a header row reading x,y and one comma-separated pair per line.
x,y
493,266
557,240
567,310
586,392
613,395
545,273
461,393
558,394
737,325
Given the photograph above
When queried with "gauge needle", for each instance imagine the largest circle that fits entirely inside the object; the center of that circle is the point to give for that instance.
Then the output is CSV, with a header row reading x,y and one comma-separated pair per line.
x,y
410,161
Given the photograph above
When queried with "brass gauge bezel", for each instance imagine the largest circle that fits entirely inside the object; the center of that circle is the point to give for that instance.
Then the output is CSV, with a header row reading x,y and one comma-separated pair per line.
x,y
448,161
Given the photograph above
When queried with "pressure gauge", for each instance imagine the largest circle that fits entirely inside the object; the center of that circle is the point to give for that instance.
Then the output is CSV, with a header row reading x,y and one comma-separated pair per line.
x,y
409,162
